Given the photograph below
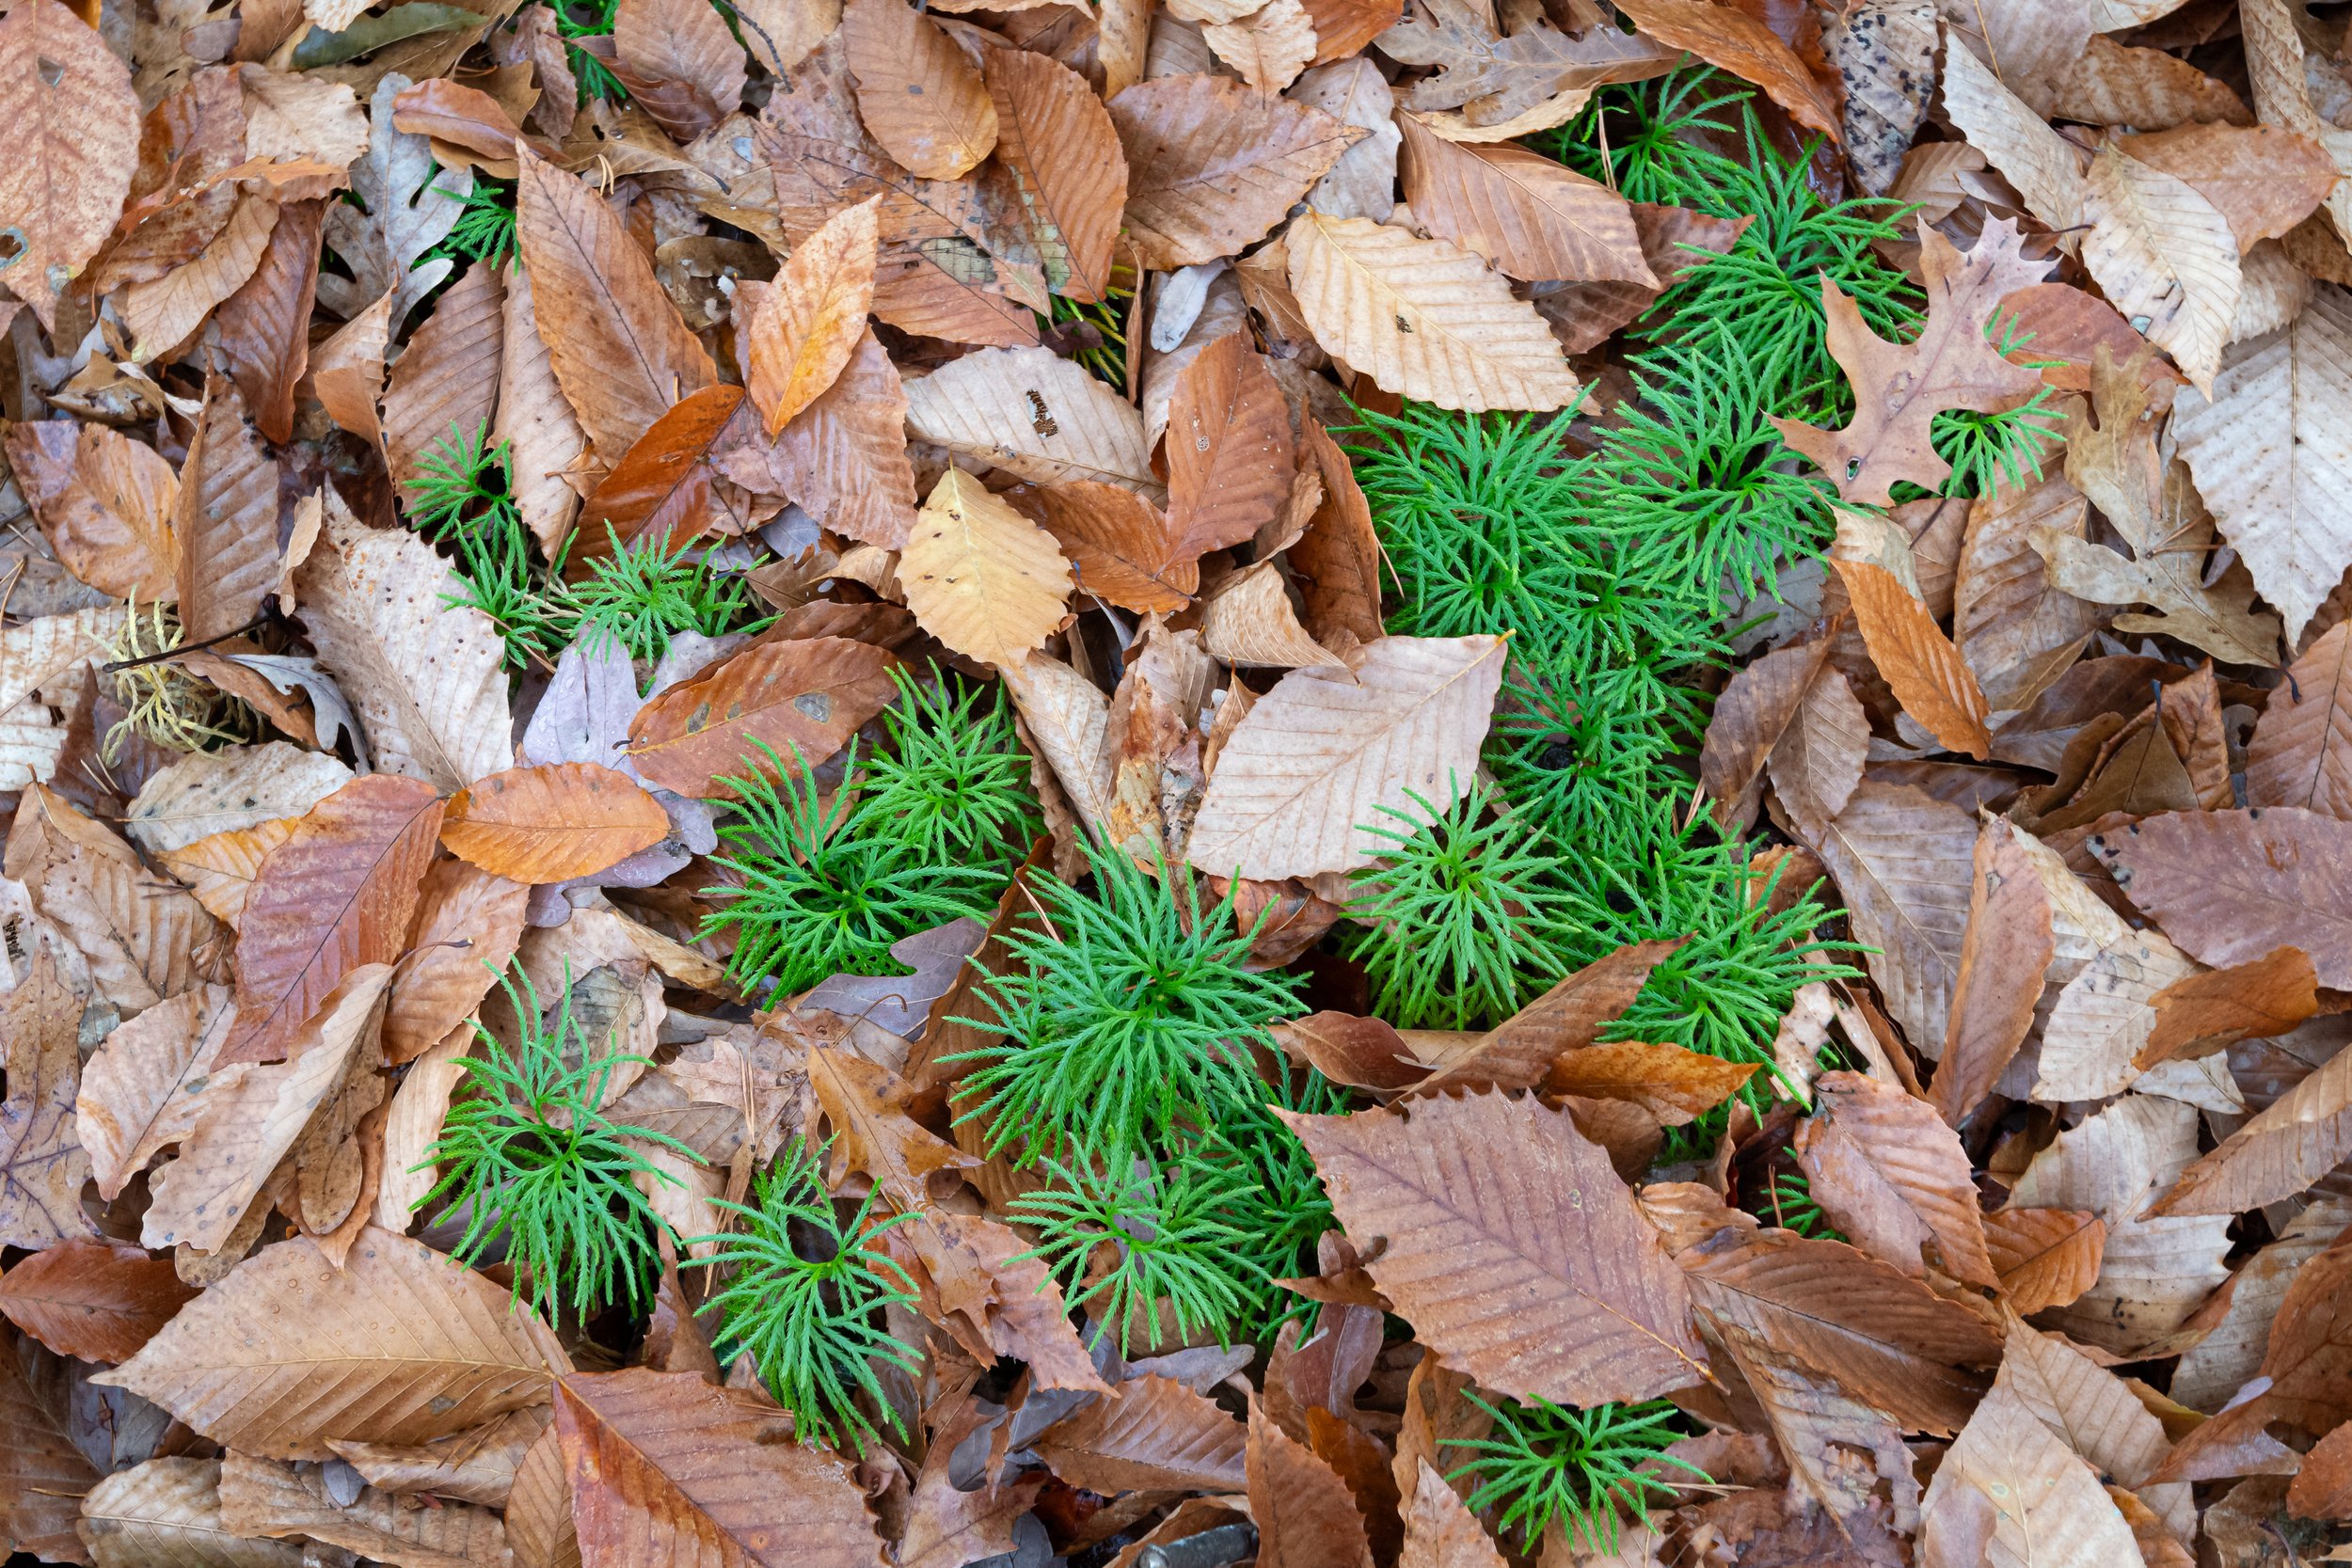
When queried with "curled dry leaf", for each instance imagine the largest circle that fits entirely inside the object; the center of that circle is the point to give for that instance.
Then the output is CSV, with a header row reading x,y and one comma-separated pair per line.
x,y
981,577
1520,1052
553,823
2291,1144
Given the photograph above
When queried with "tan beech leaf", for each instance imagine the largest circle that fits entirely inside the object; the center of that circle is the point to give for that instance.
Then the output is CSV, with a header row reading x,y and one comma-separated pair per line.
x,y
2218,1366
1069,723
663,1463
1306,1517
245,787
2206,1012
979,577
1817,763
1523,211
144,937
1883,1337
427,678
74,123
1033,413
1513,1248
619,348
1900,387
448,377
398,1346
144,1086
1903,860
918,93
1674,1084
340,893
105,502
166,311
1362,185
2290,1145
1520,1053
1440,1531
2272,452
1121,546
2164,257
2097,1413
1249,623
98,1301
1916,658
2099,1026
2045,1257
811,318
49,650
1269,47
2047,1508
413,1125
2231,886
41,1161
2004,954
2263,179
271,1498
1056,148
1500,81
476,1467
1153,1434
347,371
543,439
1213,164
997,1302
1733,40
2041,163
2301,754
1825,1431
1891,1175
807,695
243,1131
539,1523
682,66
1230,453
1423,318
1323,751
227,523
168,1511
553,823
2016,629
844,459
468,925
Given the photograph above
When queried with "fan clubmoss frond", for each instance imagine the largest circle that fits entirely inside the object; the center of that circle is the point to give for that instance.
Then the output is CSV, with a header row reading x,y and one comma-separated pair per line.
x,y
1545,1465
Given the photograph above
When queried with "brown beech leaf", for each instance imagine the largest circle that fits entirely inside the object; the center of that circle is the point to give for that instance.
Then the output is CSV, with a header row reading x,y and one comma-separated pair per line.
x,y
660,488
265,326
75,123
1323,751
268,1497
1827,1433
100,1301
1883,1337
44,1472
1817,763
1229,454
553,823
1119,546
468,924
2263,179
1930,679
543,439
227,522
2301,754
2164,256
1519,1052
539,1523
1034,414
398,1346
1338,559
462,116
1361,1053
867,1104
2291,1144
1523,211
42,1163
948,1529
1213,164
1306,1517
105,502
1440,1531
2046,1503
2016,629
620,350
681,66
2210,1011
1754,712
810,695
476,1467
1903,859
2045,1257
168,1511
663,1463
995,1301
1893,1176
1733,40
2231,886
812,317
1900,389
340,893
1153,1434
844,458
1058,148
2004,953
1513,1248
1674,1084
142,1088
1495,80
918,93
447,377
979,577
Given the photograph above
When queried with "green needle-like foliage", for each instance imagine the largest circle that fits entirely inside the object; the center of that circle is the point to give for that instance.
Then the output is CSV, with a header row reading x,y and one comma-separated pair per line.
x,y
952,779
1108,317
1580,1470
1642,139
644,594
1128,1019
486,227
1988,450
539,1168
463,483
1167,1238
583,18
802,1299
1461,918
1278,1206
1789,1203
826,887
463,496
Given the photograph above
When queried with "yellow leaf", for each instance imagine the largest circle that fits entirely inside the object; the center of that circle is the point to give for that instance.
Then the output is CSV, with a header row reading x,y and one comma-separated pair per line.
x,y
979,577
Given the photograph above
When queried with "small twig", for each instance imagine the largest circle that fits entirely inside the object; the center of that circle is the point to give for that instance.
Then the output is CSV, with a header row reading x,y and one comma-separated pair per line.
x,y
161,655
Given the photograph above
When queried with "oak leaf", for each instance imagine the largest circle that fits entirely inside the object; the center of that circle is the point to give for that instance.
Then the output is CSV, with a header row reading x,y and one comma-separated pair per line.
x,y
553,823
812,316
1495,80
979,577
1512,1246
867,1104
996,1300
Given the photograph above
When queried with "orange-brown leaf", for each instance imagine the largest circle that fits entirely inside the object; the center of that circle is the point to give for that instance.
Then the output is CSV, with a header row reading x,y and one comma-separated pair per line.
x,y
1931,680
1734,41
98,1301
227,523
105,502
1229,454
917,91
2231,886
1306,1517
1524,212
1440,1531
810,695
1674,1084
1058,150
264,327
74,131
2294,1141
447,377
1213,164
680,63
812,316
660,488
2045,1257
1893,1176
551,824
2004,952
2209,1012
1518,1052
1155,1434
867,1104
1121,547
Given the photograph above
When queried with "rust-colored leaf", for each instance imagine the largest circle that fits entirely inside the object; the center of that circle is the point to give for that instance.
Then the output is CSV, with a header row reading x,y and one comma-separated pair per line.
x,y
2294,1141
227,522
1893,1176
1524,212
1934,685
41,1161
100,1301
2211,1011
1674,1084
1155,1434
660,488
1056,148
551,824
810,694
2004,953
1213,164
2045,1257
1121,546
105,502
680,63
917,91
1306,1517
446,383
993,1299
812,316
1735,41
73,128
1519,1052
1229,457
265,326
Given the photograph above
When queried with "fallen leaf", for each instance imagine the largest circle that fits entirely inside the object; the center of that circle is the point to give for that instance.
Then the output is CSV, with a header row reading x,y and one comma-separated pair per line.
x,y
1229,454
2231,886
2164,257
1155,1434
1736,41
998,1299
918,94
1213,164
468,924
1533,1272
812,316
2004,954
1306,1517
1033,413
1058,150
1522,210
2207,1012
104,503
844,458
1926,672
979,576
1495,79
682,66
1520,1052
76,122
447,379
1892,1173
659,492
1119,546
866,1105
1901,858
226,520
96,1300
267,1497
1839,1449
1439,1531
2288,1146
43,1473
2048,1507
810,694
2045,1257
551,824
2301,753
41,1161
168,1511
1674,1084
